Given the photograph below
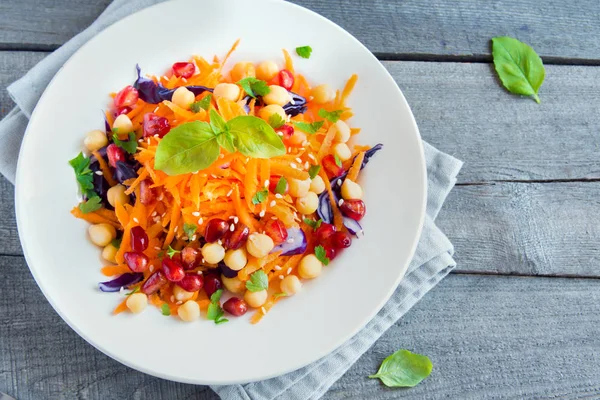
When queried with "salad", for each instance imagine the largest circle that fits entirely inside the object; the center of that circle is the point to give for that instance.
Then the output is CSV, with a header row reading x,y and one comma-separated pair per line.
x,y
213,192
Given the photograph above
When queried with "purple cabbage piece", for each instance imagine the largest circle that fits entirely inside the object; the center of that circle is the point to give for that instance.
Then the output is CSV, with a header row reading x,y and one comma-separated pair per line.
x,y
100,183
106,125
297,246
297,107
124,280
226,271
353,226
124,171
154,93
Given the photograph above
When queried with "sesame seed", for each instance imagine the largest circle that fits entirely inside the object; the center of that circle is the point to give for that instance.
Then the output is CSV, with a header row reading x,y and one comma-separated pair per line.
x,y
185,238
299,160
262,309
292,102
293,165
183,79
280,133
247,159
163,214
272,203
290,240
301,149
156,135
213,176
151,268
195,173
199,272
141,140
153,214
156,109
305,143
196,213
262,213
229,193
289,270
148,141
339,182
274,218
155,219
266,183
340,202
288,118
278,196
156,248
306,165
221,156
193,237
165,78
137,221
277,268
311,157
179,302
99,173
232,227
200,220
280,276
176,228
236,220
161,197
122,290
220,242
203,260
172,299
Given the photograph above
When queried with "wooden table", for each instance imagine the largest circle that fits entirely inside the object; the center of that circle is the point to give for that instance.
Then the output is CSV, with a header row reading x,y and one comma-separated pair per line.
x,y
520,316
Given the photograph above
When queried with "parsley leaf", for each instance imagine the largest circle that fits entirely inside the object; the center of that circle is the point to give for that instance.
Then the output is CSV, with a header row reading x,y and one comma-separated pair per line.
x,y
189,229
276,121
171,252
304,51
282,185
216,296
215,312
314,171
117,242
254,87
321,255
83,174
313,224
129,146
404,369
309,128
165,309
94,203
260,196
332,117
258,281
338,162
203,104
137,289
221,320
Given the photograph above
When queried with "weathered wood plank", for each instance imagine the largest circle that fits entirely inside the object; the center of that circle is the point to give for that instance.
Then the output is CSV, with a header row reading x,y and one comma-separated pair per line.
x,y
512,324
410,28
13,65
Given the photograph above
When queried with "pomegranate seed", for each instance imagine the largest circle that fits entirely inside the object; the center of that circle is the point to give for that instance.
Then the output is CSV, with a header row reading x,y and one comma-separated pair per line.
x,y
126,97
237,238
354,209
154,282
172,269
183,69
146,192
122,110
212,283
155,125
136,261
273,181
324,232
114,154
235,306
275,229
340,240
216,228
139,239
287,131
286,79
331,168
190,257
330,252
191,282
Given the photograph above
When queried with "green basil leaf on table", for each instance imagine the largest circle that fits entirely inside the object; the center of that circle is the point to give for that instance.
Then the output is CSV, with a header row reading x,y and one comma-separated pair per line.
x,y
404,369
253,137
518,66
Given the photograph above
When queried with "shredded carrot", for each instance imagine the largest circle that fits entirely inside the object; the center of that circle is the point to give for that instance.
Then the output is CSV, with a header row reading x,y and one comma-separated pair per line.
x,y
94,218
235,45
175,214
104,213
111,270
266,307
121,307
104,168
326,145
250,185
348,89
283,168
289,64
241,211
355,169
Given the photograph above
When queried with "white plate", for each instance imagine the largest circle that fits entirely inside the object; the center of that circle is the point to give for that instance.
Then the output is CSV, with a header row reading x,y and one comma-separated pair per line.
x,y
299,330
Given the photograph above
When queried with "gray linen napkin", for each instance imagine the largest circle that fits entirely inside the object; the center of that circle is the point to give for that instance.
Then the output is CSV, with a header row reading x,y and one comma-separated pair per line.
x,y
432,260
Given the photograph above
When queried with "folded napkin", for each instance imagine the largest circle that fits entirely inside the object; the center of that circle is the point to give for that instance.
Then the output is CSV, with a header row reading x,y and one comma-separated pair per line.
x,y
432,260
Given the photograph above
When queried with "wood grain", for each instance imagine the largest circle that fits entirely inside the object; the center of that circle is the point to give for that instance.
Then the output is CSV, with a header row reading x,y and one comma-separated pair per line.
x,y
427,29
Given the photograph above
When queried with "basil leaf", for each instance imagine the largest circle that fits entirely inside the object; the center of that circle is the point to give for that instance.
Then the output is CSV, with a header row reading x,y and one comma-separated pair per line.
x,y
165,309
309,128
258,281
332,116
304,51
276,121
187,148
129,146
217,123
260,196
518,66
254,87
93,204
313,171
225,140
281,186
201,104
404,369
253,137
189,229
321,255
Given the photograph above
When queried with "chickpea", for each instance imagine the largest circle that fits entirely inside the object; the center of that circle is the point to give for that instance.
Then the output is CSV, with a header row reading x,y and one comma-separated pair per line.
x,y
310,267
109,253
351,190
290,285
189,311
236,259
307,204
213,253
266,112
137,302
267,70
228,91
299,188
317,185
181,294
323,94
116,194
122,126
259,244
95,140
242,70
278,95
102,234
256,299
183,97
342,151
343,131
234,285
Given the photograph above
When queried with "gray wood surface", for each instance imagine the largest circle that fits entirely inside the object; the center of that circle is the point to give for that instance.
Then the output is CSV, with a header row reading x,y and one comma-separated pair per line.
x,y
407,29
